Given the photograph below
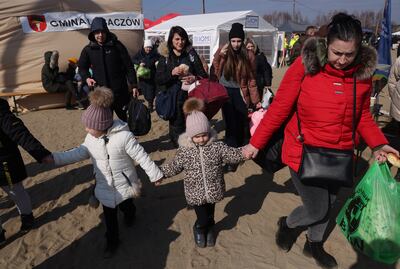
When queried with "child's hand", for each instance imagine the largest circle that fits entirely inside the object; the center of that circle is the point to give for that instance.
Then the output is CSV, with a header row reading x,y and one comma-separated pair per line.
x,y
158,182
245,155
48,159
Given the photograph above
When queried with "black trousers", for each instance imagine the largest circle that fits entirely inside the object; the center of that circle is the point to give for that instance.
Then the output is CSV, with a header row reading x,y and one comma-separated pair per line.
x,y
177,125
234,112
148,89
127,207
205,215
70,90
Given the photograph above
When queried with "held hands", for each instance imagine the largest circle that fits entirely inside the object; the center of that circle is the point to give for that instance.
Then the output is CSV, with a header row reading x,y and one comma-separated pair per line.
x,y
381,154
90,82
249,151
158,182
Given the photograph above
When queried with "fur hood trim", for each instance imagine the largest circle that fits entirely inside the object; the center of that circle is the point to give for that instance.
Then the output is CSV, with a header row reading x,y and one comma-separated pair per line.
x,y
163,49
185,141
314,56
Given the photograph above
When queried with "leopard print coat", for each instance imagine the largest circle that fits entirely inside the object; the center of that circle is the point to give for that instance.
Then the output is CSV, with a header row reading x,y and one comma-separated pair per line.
x,y
203,167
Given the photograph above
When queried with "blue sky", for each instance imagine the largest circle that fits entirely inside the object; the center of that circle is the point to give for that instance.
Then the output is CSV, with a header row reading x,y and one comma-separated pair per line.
x,y
153,9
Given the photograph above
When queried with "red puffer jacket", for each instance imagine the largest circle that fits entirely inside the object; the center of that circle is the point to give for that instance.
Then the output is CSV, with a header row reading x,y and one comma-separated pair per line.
x,y
324,98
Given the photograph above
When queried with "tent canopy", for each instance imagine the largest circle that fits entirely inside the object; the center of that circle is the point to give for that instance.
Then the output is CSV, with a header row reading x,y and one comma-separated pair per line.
x,y
210,30
22,53
210,21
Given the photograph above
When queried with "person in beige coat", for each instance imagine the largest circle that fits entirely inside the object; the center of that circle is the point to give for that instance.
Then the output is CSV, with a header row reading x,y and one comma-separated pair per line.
x,y
394,90
112,149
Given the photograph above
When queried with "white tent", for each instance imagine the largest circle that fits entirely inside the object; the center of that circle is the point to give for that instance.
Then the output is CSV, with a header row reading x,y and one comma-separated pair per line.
x,y
209,31
396,33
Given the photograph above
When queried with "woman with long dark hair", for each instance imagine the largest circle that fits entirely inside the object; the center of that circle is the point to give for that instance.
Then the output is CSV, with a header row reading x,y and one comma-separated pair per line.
x,y
179,63
235,67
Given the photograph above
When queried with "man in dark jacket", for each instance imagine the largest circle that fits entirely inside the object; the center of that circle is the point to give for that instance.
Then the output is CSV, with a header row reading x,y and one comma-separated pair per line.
x,y
54,81
111,65
12,169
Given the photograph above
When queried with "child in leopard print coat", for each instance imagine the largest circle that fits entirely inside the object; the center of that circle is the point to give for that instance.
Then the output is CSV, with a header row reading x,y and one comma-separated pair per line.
x,y
201,157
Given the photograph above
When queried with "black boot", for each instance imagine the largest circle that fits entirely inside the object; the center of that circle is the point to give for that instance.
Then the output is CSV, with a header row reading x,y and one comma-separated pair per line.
x,y
2,237
316,250
210,236
285,237
199,236
27,222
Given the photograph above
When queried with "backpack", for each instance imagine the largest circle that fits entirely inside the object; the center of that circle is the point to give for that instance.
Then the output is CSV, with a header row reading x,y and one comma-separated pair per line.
x,y
139,118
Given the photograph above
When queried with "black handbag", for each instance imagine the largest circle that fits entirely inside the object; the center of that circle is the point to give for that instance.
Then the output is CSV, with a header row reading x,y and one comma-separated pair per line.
x,y
269,158
139,118
326,167
166,102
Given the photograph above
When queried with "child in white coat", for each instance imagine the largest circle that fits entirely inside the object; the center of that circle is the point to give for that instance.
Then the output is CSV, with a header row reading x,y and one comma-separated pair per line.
x,y
112,149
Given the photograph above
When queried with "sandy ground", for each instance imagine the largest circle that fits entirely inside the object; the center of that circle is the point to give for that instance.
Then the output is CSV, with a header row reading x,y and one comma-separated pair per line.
x,y
70,234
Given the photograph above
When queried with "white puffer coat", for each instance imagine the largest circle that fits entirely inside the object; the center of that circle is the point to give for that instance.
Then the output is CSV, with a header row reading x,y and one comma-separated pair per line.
x,y
116,177
394,90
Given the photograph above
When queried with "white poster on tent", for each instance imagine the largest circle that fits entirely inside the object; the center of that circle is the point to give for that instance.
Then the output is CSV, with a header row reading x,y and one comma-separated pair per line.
x,y
72,21
201,39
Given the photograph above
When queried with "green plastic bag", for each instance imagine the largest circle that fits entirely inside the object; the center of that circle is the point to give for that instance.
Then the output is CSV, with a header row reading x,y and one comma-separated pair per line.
x,y
142,72
370,218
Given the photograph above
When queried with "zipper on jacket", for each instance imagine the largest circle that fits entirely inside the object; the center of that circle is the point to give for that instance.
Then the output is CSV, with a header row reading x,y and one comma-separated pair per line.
x,y
7,174
203,172
127,179
105,138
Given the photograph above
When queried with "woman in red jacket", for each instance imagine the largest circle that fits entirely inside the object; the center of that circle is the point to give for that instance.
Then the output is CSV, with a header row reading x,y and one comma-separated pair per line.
x,y
318,87
235,69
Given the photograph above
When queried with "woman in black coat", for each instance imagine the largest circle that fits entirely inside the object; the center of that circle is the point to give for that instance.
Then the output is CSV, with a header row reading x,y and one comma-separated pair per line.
x,y
178,51
263,68
12,169
147,58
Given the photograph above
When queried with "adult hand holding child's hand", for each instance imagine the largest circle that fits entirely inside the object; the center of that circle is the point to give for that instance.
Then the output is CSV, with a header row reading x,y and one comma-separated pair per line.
x,y
158,182
249,151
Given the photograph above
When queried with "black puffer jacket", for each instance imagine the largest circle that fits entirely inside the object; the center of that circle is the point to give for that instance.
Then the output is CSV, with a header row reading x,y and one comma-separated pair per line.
x,y
263,72
13,133
169,60
110,62
149,60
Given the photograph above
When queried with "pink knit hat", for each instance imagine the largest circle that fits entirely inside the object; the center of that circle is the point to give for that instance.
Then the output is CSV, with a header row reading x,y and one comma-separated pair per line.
x,y
98,115
197,123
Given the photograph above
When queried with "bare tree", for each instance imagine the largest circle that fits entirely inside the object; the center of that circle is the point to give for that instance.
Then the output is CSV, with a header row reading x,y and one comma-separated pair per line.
x,y
369,18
